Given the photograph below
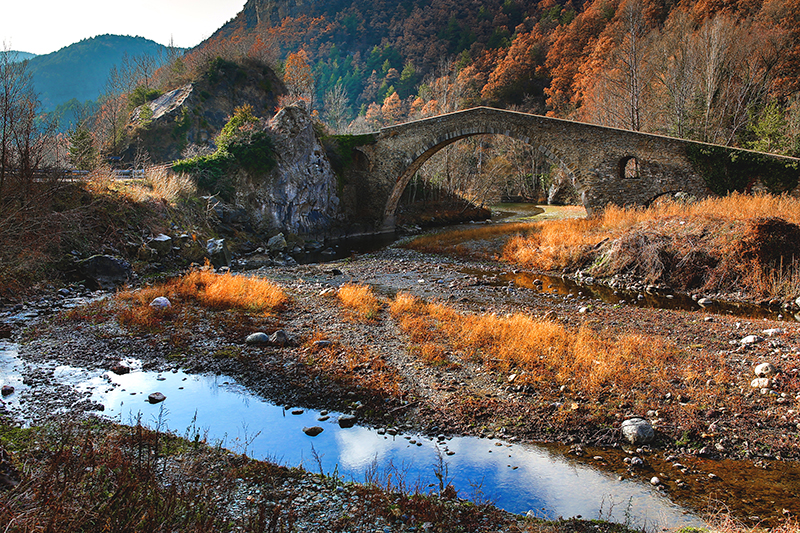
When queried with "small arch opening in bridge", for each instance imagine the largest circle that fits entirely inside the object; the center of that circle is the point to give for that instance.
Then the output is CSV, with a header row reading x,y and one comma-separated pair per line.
x,y
629,167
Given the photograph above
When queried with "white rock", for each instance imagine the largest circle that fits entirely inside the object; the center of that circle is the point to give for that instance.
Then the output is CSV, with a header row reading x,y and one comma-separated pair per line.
x,y
704,302
773,332
162,302
257,338
761,383
655,481
751,339
765,370
637,431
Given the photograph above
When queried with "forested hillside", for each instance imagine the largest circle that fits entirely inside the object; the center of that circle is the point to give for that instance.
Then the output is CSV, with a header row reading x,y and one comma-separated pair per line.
x,y
80,71
724,71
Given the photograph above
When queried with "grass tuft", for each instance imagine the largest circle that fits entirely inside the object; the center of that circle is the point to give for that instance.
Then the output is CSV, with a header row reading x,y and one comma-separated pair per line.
x,y
360,301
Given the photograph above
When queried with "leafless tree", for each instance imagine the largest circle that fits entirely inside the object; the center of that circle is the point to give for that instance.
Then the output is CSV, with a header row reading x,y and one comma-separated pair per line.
x,y
336,107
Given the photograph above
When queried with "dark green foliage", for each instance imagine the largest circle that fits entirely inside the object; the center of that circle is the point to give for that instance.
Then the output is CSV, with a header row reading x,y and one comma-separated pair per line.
x,y
222,69
239,147
141,95
256,155
727,169
212,172
340,149
82,151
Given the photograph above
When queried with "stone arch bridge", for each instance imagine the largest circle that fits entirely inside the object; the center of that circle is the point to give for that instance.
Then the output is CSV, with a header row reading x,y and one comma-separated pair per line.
x,y
595,158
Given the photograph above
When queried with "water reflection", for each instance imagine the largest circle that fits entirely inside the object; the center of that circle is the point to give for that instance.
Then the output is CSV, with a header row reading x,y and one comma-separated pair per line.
x,y
516,477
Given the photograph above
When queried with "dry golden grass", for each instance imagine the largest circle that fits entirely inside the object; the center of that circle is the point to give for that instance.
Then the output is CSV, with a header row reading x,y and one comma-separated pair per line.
x,y
537,350
158,184
206,288
697,245
359,300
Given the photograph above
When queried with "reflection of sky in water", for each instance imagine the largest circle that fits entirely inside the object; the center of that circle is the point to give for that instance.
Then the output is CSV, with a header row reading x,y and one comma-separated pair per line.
x,y
223,411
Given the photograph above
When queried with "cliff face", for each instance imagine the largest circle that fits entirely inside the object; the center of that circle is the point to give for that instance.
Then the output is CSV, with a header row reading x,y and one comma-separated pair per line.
x,y
299,195
194,114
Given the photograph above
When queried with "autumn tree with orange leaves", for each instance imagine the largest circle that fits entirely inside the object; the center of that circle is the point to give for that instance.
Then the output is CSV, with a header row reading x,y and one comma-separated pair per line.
x,y
298,77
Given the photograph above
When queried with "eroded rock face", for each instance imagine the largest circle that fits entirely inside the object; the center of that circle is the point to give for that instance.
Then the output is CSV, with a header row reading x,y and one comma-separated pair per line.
x,y
299,196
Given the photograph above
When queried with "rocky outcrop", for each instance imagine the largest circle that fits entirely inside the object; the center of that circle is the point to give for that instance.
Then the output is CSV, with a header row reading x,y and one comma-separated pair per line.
x,y
299,196
191,116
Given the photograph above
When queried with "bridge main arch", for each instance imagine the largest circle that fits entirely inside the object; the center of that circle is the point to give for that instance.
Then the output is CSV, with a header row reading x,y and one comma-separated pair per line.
x,y
445,137
606,165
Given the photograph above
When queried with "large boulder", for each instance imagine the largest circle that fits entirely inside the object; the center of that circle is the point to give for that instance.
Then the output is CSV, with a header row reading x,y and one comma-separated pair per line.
x,y
104,271
299,196
218,252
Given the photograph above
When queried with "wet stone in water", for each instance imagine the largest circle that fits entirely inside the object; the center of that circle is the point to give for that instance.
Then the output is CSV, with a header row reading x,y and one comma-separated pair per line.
x,y
156,397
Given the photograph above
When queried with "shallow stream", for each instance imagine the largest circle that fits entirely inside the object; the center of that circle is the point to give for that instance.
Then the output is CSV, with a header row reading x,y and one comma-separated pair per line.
x,y
516,477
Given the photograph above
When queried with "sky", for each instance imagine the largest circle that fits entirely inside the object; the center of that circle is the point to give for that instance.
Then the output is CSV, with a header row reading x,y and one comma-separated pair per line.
x,y
44,26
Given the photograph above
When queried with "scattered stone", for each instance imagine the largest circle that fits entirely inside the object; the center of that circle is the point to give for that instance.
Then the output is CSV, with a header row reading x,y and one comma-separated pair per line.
x,y
277,243
322,344
297,411
161,302
156,397
280,338
312,431
257,338
773,332
330,291
583,310
636,462
637,431
761,383
703,302
655,481
7,390
765,370
751,339
347,421
119,369
323,418
161,243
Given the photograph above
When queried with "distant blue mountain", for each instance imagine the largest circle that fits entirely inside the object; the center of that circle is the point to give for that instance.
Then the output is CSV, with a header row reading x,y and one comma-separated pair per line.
x,y
80,71
17,56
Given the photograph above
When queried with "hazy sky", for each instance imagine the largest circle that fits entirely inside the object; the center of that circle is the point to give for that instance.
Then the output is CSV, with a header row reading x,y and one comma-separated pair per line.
x,y
44,26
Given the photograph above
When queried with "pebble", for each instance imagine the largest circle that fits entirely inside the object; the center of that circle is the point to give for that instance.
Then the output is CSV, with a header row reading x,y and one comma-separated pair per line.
x,y
312,431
